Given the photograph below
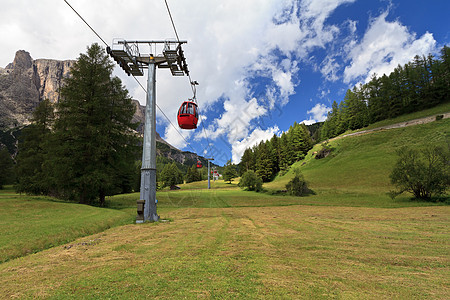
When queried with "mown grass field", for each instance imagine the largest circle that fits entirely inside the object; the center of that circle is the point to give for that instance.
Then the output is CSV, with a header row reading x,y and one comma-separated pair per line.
x,y
349,240
314,252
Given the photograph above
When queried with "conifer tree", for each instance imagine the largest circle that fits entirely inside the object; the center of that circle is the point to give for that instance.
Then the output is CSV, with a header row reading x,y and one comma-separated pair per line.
x,y
193,174
377,106
33,152
171,175
93,144
284,152
264,167
355,111
229,172
442,75
247,161
6,167
274,148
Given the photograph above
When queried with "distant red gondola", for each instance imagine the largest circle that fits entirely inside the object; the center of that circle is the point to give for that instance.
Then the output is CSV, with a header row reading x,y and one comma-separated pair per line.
x,y
199,164
188,115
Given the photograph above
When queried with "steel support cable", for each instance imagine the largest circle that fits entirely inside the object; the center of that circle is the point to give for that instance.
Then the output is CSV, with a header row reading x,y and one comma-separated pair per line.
x,y
189,76
171,19
86,23
178,39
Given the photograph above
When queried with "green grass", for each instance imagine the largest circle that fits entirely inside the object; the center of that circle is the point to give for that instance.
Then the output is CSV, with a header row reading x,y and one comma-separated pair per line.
x,y
359,166
300,252
437,110
29,224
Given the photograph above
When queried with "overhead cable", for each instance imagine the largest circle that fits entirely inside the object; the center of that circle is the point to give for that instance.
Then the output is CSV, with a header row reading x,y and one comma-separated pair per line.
x,y
189,77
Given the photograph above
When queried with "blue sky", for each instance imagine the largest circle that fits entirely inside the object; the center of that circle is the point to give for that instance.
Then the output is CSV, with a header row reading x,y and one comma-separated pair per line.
x,y
262,64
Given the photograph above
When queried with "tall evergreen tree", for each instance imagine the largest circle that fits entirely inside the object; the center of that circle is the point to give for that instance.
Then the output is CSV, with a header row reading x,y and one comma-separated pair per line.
x,y
264,167
33,152
247,161
441,72
171,175
284,152
376,103
329,129
193,174
274,148
395,92
6,167
229,172
93,144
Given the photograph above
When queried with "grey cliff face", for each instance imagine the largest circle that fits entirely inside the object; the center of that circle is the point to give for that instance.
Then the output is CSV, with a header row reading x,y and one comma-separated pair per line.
x,y
26,82
49,75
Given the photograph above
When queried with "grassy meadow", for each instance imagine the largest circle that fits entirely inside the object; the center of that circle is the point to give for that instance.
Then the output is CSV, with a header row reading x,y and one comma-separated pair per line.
x,y
29,223
349,240
360,165
282,252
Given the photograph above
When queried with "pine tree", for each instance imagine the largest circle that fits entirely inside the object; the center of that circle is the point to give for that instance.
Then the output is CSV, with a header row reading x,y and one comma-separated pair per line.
x,y
355,111
93,145
299,141
274,148
171,175
6,167
377,105
193,174
264,167
284,152
229,171
307,142
329,129
33,152
247,161
395,92
441,72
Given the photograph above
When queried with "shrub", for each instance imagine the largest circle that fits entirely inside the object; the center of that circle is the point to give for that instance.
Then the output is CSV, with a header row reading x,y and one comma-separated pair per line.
x,y
298,186
423,173
324,152
251,181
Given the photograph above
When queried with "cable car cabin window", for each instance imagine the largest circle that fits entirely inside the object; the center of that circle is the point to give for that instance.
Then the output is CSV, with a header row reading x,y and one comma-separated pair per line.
x,y
183,109
191,109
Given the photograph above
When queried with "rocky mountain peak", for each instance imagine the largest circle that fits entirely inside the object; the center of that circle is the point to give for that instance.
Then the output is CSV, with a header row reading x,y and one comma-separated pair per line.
x,y
22,60
25,82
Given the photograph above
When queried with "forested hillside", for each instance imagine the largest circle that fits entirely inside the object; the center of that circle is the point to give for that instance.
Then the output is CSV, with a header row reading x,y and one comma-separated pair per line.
x,y
277,154
419,84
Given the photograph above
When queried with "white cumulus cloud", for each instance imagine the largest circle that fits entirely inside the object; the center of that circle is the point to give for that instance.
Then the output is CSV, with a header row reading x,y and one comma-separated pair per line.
x,y
257,135
317,114
384,46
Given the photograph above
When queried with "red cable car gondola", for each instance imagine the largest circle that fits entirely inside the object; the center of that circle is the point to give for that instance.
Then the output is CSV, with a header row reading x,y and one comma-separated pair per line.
x,y
199,164
188,115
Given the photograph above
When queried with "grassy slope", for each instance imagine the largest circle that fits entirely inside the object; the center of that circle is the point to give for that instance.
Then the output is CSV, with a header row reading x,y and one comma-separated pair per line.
x,y
437,110
360,166
29,224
